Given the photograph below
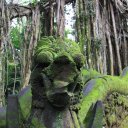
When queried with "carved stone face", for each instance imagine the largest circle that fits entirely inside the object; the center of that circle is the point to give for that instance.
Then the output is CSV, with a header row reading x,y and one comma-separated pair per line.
x,y
57,73
64,82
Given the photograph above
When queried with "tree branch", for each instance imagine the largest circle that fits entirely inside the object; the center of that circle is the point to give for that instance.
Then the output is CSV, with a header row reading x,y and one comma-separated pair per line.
x,y
19,11
46,6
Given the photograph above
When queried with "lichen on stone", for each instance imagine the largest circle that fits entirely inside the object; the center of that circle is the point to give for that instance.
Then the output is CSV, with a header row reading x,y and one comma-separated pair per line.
x,y
56,74
49,49
116,110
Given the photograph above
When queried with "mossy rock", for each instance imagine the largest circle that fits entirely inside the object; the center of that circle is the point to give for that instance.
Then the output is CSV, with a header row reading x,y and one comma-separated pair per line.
x,y
49,48
25,101
103,85
124,123
3,117
116,110
36,124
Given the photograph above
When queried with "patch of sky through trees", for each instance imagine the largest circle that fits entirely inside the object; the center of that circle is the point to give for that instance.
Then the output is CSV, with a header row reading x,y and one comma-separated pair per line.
x,y
69,17
70,21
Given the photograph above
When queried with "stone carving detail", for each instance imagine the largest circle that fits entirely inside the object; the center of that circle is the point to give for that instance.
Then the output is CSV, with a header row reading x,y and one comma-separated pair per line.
x,y
56,75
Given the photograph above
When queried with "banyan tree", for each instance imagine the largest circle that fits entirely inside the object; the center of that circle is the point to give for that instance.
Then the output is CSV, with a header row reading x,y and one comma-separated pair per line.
x,y
49,81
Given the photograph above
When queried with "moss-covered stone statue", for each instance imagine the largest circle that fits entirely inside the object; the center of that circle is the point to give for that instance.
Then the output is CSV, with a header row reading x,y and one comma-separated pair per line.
x,y
64,95
57,84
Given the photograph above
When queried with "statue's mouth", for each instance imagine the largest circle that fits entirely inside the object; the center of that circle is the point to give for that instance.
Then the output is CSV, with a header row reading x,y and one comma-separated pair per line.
x,y
59,99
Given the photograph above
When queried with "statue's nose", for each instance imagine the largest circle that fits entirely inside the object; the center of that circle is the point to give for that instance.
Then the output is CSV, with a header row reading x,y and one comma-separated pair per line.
x,y
60,84
59,95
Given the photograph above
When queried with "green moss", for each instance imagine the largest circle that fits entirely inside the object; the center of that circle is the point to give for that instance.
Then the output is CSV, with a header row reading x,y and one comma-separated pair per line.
x,y
98,119
36,124
71,47
45,41
79,59
77,125
90,74
103,86
3,123
63,57
49,49
94,116
44,57
58,120
112,119
25,103
124,123
11,67
89,117
3,118
61,63
122,100
116,109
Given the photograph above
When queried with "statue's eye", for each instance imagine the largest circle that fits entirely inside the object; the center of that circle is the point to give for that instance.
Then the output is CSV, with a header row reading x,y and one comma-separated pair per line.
x,y
62,60
74,87
44,59
79,60
71,87
77,88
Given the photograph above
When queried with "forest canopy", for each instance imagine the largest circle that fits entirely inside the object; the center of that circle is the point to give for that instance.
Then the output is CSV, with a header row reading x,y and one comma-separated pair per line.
x,y
98,27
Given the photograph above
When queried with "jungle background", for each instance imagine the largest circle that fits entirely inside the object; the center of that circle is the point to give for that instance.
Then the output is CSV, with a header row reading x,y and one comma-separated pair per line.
x,y
99,26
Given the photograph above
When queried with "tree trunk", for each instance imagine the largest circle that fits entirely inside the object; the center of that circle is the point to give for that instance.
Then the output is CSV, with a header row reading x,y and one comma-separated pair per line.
x,y
60,17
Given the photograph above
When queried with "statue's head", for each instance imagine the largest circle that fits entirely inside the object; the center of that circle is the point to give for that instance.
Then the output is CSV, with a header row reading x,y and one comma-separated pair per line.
x,y
60,64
